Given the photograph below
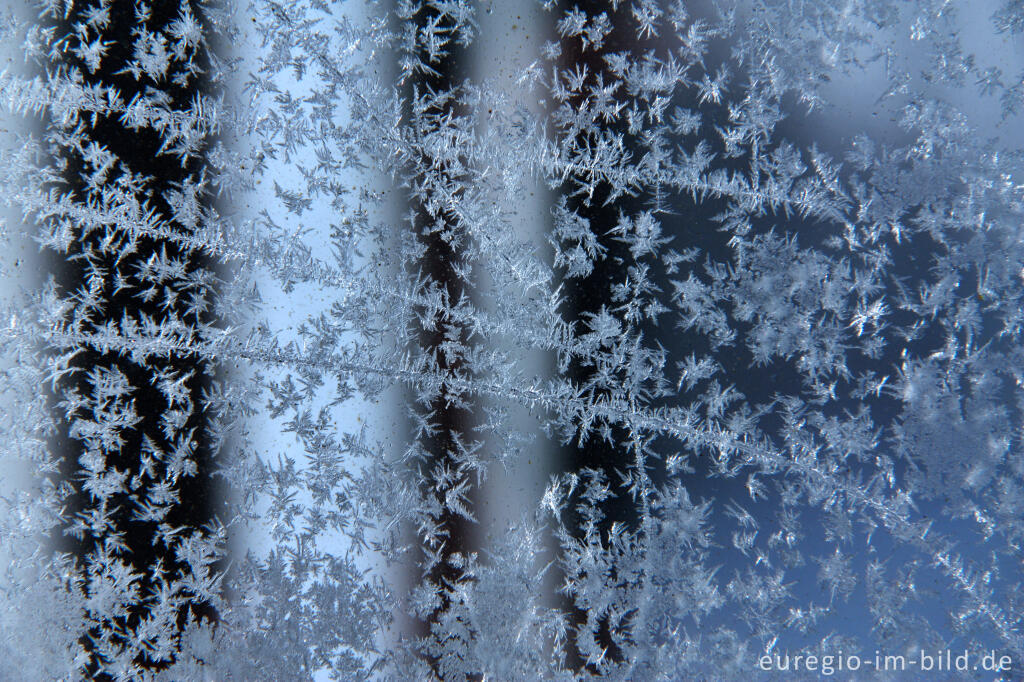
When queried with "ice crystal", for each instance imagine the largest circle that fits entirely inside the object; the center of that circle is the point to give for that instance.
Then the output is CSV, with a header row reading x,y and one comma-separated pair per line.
x,y
467,340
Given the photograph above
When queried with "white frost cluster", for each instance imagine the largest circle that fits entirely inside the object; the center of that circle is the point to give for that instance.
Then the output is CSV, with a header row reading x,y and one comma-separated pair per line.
x,y
766,356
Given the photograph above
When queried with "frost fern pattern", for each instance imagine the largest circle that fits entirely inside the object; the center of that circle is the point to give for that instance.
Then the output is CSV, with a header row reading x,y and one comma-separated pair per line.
x,y
692,338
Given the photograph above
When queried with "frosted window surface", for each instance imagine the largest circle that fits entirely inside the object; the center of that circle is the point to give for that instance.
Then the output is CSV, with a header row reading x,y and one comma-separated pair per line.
x,y
638,339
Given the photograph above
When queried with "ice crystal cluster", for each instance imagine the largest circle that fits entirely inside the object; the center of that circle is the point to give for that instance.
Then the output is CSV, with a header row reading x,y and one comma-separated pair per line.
x,y
487,340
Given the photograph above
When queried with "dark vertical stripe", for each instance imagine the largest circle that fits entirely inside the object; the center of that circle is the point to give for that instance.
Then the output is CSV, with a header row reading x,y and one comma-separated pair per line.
x,y
139,150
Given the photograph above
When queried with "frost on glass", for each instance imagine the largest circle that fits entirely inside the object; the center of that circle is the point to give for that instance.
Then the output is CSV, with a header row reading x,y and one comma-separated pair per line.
x,y
352,351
